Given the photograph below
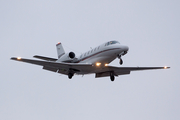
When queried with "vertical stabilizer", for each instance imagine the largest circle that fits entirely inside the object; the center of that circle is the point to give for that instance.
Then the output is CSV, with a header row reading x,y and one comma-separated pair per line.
x,y
60,50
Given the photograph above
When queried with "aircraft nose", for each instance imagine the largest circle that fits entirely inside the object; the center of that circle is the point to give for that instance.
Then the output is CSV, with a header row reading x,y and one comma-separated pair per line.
x,y
126,48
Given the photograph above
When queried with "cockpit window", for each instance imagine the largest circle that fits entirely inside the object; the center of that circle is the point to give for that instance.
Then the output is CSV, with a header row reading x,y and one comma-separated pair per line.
x,y
112,42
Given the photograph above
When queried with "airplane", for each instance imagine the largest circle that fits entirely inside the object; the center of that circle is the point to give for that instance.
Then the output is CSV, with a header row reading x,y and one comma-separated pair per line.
x,y
95,61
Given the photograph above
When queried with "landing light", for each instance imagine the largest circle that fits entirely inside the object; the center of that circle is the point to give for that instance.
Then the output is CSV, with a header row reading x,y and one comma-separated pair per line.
x,y
98,64
105,64
19,58
165,67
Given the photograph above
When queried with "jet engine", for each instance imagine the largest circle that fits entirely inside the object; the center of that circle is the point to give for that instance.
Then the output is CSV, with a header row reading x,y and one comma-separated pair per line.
x,y
71,55
68,57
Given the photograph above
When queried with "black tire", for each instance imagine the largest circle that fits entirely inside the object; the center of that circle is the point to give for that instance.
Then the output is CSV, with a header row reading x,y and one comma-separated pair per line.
x,y
70,75
112,78
121,62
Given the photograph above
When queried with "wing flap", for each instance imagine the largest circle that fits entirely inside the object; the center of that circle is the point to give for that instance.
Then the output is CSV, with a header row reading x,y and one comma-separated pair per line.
x,y
63,71
116,73
102,74
50,68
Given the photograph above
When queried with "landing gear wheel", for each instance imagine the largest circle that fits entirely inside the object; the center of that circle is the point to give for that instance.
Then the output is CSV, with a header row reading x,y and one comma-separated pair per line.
x,y
112,78
120,61
70,75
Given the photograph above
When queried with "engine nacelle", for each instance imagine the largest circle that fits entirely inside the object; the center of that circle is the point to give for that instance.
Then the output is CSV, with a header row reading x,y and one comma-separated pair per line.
x,y
68,57
72,55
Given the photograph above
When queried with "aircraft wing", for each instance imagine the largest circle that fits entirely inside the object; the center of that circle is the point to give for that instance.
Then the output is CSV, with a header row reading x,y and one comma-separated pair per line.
x,y
123,70
83,68
56,66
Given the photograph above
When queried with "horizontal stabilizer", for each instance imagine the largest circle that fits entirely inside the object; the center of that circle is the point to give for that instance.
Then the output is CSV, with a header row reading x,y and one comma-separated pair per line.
x,y
45,58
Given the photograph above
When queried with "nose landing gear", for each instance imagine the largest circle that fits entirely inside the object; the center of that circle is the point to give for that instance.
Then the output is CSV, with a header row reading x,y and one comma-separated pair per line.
x,y
119,56
120,61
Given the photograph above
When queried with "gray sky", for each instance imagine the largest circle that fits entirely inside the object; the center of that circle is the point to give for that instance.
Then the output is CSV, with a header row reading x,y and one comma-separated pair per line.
x,y
150,28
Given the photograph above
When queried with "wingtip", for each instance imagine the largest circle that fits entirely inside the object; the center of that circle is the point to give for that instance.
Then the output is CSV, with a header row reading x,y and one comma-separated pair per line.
x,y
13,58
16,58
165,67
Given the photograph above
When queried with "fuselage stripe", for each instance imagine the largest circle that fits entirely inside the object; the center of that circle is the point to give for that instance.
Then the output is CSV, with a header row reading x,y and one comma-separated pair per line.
x,y
96,54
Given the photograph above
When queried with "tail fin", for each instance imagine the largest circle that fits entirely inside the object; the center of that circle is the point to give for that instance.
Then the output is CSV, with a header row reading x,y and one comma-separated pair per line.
x,y
60,50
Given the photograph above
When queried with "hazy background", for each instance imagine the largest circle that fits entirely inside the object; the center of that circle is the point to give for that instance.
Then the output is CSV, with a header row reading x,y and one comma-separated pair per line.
x,y
150,28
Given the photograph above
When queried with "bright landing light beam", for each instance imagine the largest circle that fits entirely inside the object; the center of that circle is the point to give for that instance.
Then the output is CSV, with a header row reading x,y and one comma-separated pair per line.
x,y
18,58
165,67
98,64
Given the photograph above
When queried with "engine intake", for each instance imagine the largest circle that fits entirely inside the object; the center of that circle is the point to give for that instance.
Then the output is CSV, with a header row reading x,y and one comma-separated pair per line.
x,y
71,55
68,57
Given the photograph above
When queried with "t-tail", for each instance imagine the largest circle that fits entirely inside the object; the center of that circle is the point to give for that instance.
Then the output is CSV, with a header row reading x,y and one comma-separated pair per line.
x,y
65,57
60,50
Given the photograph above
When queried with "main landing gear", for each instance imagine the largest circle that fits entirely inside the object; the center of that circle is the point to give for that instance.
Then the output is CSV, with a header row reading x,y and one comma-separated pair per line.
x,y
112,76
70,75
71,72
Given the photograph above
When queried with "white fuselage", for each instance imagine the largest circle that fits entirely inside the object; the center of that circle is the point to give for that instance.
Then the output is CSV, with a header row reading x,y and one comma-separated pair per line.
x,y
103,54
